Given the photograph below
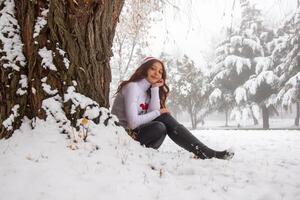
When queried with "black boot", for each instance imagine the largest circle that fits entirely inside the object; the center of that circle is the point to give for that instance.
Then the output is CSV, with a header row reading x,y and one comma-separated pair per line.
x,y
207,153
184,138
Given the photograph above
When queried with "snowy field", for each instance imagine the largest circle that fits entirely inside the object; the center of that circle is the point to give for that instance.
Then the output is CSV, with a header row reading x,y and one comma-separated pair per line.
x,y
275,123
38,164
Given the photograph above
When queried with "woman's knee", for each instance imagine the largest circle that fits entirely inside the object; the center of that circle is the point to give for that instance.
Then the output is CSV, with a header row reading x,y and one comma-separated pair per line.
x,y
159,128
153,131
168,120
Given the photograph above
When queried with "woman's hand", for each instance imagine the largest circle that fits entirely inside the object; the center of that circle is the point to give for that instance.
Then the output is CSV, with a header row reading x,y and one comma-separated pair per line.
x,y
164,110
159,83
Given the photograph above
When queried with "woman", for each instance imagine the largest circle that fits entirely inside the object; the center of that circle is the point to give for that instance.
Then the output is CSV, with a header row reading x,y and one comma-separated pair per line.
x,y
140,107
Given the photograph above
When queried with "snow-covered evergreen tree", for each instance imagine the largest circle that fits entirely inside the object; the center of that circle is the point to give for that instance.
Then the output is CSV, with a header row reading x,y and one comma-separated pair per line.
x,y
286,51
189,90
243,69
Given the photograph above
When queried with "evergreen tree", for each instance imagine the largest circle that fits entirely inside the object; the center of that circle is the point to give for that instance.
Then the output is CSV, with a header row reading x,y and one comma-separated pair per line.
x,y
287,51
190,90
243,69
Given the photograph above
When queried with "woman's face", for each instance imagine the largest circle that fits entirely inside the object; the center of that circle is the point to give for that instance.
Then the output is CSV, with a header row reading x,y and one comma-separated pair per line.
x,y
154,73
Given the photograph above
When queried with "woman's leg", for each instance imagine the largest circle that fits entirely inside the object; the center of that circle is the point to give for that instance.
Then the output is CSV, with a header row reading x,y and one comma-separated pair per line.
x,y
151,134
184,138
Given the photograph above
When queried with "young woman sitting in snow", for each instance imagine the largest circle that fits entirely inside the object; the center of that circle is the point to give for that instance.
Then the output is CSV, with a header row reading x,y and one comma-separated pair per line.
x,y
140,107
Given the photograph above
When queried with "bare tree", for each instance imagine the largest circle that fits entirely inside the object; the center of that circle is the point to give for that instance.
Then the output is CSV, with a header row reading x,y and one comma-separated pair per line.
x,y
132,33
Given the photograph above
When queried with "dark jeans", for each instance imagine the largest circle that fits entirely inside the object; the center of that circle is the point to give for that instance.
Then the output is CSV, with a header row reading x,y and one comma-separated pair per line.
x,y
152,135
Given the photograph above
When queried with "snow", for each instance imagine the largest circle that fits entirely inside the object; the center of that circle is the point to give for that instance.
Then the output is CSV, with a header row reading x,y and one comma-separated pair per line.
x,y
63,54
288,94
24,85
91,112
255,110
251,85
236,40
40,23
240,95
53,107
215,96
263,64
39,164
47,59
271,100
239,62
255,46
267,77
12,54
47,88
279,44
8,123
221,75
289,97
223,49
185,88
294,80
78,99
236,115
246,114
43,80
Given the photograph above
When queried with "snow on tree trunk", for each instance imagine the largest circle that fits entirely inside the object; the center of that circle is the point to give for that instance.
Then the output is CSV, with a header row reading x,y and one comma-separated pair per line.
x,y
61,67
297,114
265,117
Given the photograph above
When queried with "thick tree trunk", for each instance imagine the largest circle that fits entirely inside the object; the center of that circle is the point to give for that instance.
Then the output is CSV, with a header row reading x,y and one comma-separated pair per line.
x,y
265,115
78,36
297,114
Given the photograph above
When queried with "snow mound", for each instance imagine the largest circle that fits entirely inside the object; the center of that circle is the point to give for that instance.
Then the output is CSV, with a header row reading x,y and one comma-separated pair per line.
x,y
40,164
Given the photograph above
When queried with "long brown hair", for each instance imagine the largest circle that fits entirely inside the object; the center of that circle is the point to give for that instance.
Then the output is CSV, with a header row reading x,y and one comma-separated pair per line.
x,y
141,72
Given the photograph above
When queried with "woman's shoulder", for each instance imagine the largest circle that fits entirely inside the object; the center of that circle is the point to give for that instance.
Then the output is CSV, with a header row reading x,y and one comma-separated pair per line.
x,y
130,86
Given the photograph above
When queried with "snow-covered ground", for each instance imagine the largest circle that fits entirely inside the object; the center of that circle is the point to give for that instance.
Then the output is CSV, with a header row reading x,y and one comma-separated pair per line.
x,y
38,164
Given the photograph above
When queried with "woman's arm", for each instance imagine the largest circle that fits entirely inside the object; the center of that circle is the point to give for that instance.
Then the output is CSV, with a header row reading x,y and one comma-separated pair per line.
x,y
131,107
155,100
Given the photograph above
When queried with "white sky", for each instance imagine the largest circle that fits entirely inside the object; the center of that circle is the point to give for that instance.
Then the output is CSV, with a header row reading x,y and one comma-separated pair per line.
x,y
197,26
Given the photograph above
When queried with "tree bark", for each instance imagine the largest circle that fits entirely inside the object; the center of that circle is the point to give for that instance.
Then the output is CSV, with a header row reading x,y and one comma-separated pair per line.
x,y
297,114
265,116
84,30
193,121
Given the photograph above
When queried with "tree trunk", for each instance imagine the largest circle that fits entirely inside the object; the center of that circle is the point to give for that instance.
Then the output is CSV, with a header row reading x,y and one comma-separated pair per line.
x,y
226,118
265,114
78,37
297,114
193,119
255,121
